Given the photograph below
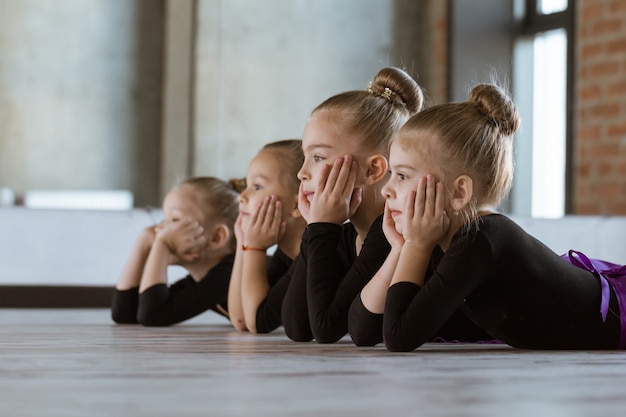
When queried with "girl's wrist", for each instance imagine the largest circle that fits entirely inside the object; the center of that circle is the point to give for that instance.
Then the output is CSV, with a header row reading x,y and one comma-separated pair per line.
x,y
416,246
396,250
252,248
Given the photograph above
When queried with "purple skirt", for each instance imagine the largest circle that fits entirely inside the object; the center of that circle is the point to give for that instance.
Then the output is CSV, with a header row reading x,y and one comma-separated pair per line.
x,y
611,276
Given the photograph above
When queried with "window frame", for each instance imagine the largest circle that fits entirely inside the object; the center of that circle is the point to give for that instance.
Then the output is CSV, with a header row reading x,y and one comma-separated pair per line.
x,y
533,23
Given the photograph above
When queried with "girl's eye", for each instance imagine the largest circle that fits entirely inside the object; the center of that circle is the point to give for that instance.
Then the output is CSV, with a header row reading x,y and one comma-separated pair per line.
x,y
401,177
318,158
257,187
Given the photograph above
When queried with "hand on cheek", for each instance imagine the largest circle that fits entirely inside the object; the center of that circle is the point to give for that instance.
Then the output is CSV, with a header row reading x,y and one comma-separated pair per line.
x,y
185,239
394,238
266,226
239,228
426,221
304,205
336,199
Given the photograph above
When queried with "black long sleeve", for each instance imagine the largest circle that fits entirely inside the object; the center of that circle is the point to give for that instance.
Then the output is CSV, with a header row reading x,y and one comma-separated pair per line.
x,y
366,328
161,305
512,286
294,311
336,275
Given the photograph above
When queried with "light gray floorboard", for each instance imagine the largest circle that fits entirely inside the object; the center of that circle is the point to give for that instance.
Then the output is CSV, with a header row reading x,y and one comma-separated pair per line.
x,y
77,363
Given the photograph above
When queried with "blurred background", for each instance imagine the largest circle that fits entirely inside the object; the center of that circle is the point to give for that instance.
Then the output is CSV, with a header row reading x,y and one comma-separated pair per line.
x,y
109,103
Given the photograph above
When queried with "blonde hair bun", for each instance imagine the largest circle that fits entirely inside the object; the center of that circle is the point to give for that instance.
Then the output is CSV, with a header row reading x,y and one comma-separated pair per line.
x,y
398,87
497,106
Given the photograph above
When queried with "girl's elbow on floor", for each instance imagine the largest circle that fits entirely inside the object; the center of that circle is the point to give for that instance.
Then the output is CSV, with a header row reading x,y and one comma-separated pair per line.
x,y
239,324
363,341
401,344
398,347
298,336
327,338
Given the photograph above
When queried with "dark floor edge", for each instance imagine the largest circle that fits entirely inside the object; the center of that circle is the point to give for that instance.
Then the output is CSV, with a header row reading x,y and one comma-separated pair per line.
x,y
54,296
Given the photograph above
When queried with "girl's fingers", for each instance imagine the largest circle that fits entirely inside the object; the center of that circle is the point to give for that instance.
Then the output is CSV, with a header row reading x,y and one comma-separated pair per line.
x,y
268,214
324,178
276,219
440,203
333,175
342,176
409,209
304,205
353,171
387,219
346,176
429,208
265,210
420,196
260,211
272,212
387,212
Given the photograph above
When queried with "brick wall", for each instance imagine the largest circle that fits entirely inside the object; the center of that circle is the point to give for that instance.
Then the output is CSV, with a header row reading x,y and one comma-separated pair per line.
x,y
600,114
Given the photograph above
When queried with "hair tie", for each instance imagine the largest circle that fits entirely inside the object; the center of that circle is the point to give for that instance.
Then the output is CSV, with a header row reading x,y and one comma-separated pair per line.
x,y
387,92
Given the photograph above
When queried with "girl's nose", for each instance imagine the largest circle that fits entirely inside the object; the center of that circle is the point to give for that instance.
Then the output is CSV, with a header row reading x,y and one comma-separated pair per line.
x,y
386,191
303,173
243,197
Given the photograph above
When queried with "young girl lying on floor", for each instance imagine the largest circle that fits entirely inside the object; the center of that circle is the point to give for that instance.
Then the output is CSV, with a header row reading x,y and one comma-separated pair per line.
x,y
197,234
268,216
451,165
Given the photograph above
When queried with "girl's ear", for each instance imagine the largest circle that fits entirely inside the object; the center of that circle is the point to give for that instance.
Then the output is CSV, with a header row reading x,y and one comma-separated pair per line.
x,y
462,192
376,169
219,237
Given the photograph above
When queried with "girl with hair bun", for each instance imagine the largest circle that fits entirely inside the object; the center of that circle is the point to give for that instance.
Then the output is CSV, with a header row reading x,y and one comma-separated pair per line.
x,y
197,234
346,145
451,166
268,216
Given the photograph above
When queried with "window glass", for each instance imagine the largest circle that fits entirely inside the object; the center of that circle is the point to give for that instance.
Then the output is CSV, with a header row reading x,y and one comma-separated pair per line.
x,y
549,123
551,6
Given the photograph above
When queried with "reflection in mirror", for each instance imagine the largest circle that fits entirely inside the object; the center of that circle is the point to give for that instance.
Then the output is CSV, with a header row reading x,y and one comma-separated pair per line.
x,y
80,97
99,96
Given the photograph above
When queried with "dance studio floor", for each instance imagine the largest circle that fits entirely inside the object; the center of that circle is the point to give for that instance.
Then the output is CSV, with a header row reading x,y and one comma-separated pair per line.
x,y
64,362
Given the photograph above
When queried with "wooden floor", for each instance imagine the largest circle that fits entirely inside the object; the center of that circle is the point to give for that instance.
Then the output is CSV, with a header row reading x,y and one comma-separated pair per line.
x,y
75,362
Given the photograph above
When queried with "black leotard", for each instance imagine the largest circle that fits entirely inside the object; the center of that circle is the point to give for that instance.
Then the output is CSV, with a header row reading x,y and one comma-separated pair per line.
x,y
512,286
327,277
163,305
366,328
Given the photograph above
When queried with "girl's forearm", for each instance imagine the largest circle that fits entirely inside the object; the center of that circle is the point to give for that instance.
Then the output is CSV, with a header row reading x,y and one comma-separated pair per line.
x,y
155,270
235,308
374,294
254,285
133,269
412,264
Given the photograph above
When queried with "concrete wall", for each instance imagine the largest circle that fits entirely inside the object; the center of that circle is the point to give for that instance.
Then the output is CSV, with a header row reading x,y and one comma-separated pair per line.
x,y
91,97
262,66
80,95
